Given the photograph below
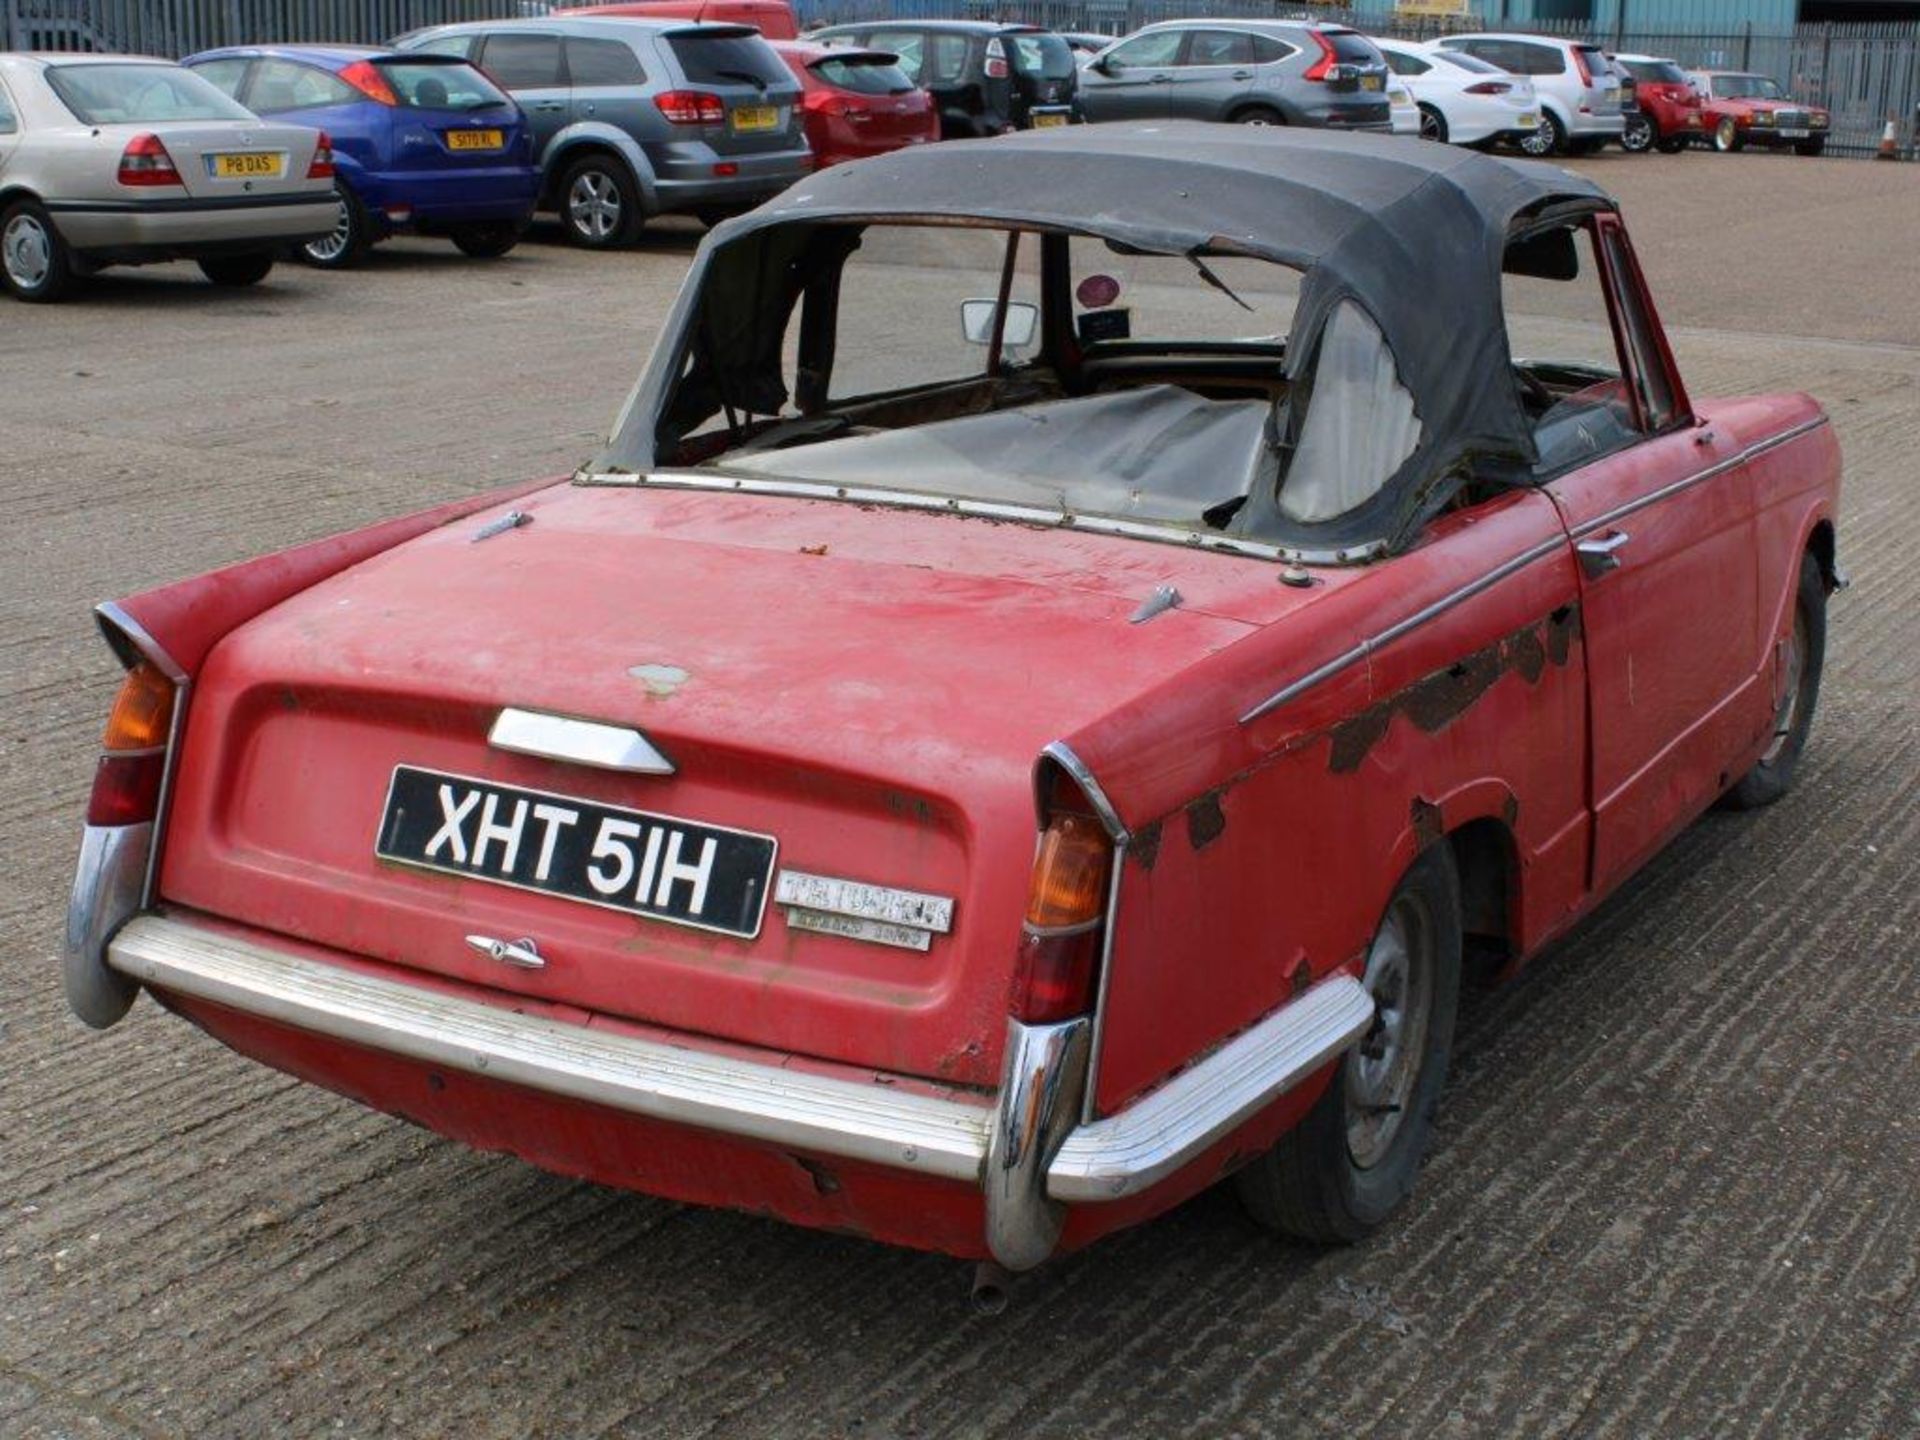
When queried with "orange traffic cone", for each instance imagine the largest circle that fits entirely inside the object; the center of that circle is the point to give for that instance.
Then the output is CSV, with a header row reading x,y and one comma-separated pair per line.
x,y
1889,143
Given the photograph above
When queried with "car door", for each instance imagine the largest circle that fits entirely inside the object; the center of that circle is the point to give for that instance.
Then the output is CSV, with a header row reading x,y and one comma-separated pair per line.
x,y
1134,79
531,66
1661,517
607,83
1212,74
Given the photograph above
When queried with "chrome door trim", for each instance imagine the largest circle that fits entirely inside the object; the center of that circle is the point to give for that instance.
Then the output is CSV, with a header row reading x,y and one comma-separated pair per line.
x,y
1687,482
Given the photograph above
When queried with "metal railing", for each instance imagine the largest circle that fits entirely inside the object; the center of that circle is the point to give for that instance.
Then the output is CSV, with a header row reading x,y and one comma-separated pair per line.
x,y
1864,74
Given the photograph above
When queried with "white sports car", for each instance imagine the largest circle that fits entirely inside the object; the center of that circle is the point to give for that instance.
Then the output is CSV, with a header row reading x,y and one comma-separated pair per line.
x,y
1461,98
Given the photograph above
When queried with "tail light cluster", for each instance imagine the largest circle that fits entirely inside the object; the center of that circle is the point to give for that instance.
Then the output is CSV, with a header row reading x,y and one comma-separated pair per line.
x,y
1489,87
996,66
145,162
365,76
321,166
1058,975
691,107
126,784
1328,69
1580,66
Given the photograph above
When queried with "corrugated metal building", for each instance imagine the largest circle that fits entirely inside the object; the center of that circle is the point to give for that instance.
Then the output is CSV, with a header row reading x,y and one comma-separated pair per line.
x,y
1671,15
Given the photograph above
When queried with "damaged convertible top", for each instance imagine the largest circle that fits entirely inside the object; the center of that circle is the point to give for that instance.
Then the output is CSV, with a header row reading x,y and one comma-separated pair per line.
x,y
1414,236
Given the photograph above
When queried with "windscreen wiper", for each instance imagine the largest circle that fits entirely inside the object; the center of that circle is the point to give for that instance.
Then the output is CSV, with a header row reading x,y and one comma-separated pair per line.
x,y
1217,283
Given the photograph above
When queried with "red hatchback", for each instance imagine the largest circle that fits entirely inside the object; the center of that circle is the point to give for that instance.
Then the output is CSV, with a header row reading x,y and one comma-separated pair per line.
x,y
857,102
1669,106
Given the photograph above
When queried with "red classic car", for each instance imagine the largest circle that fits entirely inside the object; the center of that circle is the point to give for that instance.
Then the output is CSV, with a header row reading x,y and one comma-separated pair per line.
x,y
856,103
1740,109
1666,111
975,780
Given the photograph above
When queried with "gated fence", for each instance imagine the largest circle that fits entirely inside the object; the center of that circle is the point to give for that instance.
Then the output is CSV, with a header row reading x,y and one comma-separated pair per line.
x,y
1865,74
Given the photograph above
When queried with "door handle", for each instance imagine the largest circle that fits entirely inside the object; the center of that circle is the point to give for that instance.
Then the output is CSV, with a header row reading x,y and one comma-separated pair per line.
x,y
1597,556
1243,75
549,105
523,954
1704,436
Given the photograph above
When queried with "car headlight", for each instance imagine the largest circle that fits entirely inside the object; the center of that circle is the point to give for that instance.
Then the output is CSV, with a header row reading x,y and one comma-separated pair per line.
x,y
1819,119
1765,117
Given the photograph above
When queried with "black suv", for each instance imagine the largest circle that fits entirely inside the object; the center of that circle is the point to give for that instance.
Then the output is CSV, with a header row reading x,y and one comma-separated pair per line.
x,y
985,77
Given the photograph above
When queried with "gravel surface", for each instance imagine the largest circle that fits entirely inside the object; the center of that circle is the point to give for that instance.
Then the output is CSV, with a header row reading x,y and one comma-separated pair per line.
x,y
1676,1186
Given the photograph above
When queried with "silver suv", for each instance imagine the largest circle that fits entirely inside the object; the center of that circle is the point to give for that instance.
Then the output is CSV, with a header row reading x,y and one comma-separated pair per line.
x,y
1249,72
1577,86
637,118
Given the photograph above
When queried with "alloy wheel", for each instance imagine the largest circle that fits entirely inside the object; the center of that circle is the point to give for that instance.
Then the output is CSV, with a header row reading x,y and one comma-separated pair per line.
x,y
27,251
331,247
593,205
1383,1071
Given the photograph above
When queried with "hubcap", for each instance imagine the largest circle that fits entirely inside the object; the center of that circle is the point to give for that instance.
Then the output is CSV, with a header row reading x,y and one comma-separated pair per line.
x,y
593,205
1383,1071
1793,666
332,247
1540,141
1639,135
1725,135
27,251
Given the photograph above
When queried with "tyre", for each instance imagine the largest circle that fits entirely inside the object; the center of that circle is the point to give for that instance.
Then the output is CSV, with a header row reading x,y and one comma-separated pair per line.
x,y
1338,1175
1258,115
1546,138
234,271
347,246
1671,144
34,263
1637,136
1727,137
599,203
1810,147
487,241
1433,125
1803,657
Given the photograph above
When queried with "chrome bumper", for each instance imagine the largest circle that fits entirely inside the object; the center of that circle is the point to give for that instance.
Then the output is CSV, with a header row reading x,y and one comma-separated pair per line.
x,y
1029,1151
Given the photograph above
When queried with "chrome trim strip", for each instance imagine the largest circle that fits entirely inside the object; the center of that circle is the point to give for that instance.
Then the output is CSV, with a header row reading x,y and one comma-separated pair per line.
x,y
581,742
1040,1089
1719,467
769,1104
1393,632
107,614
1109,925
953,505
109,881
1062,755
1445,603
1154,1137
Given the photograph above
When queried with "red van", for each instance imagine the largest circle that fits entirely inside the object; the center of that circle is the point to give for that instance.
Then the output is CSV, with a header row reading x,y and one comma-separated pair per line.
x,y
772,18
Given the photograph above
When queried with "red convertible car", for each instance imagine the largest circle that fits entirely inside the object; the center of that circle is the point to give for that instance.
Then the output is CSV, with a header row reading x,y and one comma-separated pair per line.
x,y
1739,109
974,775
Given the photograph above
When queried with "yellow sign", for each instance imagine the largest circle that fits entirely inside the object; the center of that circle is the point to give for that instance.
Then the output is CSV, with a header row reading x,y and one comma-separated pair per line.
x,y
1460,8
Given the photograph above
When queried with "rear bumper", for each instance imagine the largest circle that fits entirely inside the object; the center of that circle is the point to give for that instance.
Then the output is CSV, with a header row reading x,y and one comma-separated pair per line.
x,y
184,229
1029,1149
464,197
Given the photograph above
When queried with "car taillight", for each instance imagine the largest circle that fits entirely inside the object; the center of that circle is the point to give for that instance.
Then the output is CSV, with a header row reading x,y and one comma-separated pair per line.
x,y
996,60
126,784
691,107
1489,87
1059,970
1580,66
1321,69
145,161
821,102
365,76
321,166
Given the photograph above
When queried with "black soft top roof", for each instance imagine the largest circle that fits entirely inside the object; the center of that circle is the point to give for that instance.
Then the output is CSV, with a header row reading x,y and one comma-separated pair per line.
x,y
1414,233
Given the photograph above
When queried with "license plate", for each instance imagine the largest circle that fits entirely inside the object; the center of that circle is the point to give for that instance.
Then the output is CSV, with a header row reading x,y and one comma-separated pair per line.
x,y
708,877
1613,95
247,167
1796,133
1370,82
476,139
755,117
1047,119
1527,122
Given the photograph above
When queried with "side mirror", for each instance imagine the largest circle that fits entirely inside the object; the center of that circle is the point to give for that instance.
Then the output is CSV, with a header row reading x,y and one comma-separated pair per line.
x,y
1022,323
1108,66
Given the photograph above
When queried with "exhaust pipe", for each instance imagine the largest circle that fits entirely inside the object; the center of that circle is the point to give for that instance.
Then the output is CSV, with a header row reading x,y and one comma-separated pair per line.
x,y
992,1287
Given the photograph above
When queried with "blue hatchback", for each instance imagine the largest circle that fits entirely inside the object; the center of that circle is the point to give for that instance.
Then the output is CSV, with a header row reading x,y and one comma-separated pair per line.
x,y
421,143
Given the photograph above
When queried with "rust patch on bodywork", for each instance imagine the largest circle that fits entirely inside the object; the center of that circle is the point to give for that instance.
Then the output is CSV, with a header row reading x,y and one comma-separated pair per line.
x,y
1205,820
1434,701
825,1182
1146,845
1428,826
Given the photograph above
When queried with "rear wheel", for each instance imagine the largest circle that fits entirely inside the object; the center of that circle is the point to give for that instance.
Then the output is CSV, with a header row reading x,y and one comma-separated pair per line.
x,y
599,203
1546,138
34,262
237,270
486,242
1433,125
1258,115
1802,656
1345,1168
1810,147
1637,135
349,241
1727,137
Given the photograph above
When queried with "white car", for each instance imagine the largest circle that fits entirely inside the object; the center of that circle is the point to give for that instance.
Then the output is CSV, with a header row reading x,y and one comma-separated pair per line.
x,y
1401,108
1461,99
1577,86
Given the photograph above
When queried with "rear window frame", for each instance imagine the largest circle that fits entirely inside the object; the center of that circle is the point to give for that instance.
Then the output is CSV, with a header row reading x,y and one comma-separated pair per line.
x,y
772,70
56,74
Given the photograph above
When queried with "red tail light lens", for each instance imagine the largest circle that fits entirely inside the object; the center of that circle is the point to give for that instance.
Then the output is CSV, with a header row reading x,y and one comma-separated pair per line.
x,y
691,107
1321,69
1489,87
1580,65
996,66
365,76
145,161
126,784
321,167
820,102
1059,967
